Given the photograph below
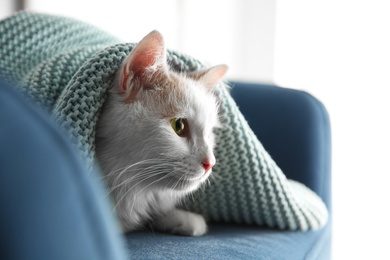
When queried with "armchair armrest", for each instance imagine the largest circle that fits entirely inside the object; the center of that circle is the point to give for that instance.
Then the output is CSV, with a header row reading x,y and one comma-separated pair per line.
x,y
294,128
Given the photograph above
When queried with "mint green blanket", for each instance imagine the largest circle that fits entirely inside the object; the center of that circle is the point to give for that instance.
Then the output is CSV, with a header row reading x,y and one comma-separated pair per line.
x,y
66,66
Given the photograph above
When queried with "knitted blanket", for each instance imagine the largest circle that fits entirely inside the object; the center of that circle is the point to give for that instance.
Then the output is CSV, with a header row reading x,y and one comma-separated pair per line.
x,y
66,66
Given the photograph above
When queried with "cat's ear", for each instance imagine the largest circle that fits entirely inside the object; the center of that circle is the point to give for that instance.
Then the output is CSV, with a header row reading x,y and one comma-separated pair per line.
x,y
147,58
211,76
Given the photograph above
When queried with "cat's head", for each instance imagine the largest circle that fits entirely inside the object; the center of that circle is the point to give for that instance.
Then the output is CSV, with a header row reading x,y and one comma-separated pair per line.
x,y
164,121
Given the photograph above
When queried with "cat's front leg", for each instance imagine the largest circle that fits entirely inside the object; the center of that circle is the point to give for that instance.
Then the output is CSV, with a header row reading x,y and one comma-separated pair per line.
x,y
180,222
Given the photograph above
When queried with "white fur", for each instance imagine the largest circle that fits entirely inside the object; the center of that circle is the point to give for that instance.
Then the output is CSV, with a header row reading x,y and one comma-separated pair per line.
x,y
139,152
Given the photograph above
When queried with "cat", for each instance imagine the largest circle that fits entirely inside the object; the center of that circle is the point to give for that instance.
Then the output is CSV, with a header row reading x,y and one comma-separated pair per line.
x,y
154,139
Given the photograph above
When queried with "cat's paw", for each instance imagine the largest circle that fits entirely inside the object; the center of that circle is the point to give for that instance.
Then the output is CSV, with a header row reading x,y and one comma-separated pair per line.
x,y
180,222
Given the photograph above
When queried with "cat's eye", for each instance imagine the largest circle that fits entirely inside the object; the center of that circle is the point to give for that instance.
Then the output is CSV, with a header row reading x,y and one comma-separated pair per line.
x,y
178,125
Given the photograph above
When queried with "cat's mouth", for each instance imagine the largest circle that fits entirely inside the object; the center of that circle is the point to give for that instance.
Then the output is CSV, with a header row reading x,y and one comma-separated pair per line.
x,y
189,183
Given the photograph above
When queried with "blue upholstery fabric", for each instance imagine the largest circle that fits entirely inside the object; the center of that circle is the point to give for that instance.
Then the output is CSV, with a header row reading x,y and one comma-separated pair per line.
x,y
226,242
50,207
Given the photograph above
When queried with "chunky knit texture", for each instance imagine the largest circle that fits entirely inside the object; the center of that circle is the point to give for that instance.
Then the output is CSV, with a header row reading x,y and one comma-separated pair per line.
x,y
66,67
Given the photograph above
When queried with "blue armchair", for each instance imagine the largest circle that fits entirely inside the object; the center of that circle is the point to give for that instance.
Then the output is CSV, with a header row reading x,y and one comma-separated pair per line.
x,y
51,210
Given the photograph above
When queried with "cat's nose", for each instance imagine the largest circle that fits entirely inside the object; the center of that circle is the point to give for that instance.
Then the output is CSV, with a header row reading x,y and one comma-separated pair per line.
x,y
207,164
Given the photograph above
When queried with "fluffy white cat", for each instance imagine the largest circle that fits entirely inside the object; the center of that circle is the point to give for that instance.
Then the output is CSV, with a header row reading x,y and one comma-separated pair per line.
x,y
154,138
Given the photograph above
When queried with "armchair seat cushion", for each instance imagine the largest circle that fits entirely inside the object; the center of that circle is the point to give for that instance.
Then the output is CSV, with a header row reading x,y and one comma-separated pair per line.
x,y
231,241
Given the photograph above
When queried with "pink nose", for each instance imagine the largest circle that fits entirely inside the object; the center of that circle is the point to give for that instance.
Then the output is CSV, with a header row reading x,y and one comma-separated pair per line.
x,y
207,165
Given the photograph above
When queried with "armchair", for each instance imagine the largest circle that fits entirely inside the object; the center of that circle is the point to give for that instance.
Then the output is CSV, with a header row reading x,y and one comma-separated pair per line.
x,y
51,210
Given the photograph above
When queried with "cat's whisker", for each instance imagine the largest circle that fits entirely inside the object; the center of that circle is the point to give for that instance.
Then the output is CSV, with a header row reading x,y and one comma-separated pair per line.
x,y
125,169
178,182
146,173
148,176
142,175
208,182
136,195
138,176
132,187
152,166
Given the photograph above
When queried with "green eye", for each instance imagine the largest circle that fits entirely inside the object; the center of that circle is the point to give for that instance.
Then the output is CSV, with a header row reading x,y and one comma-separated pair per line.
x,y
178,125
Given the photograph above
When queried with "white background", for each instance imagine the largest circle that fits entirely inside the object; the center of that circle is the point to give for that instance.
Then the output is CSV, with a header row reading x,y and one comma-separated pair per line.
x,y
339,51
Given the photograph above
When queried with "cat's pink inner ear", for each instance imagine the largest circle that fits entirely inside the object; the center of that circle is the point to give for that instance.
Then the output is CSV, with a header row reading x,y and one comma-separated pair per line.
x,y
146,58
212,76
